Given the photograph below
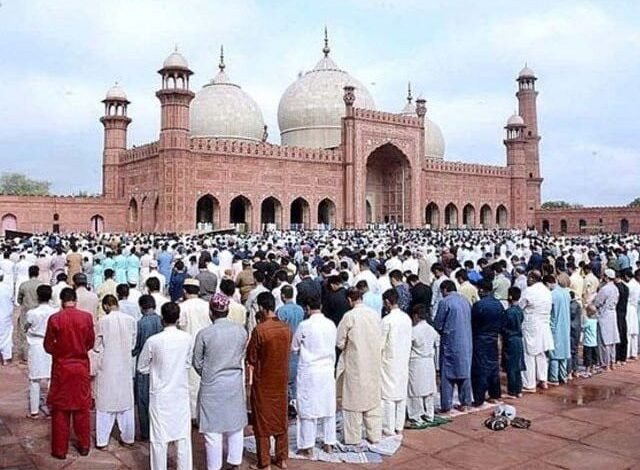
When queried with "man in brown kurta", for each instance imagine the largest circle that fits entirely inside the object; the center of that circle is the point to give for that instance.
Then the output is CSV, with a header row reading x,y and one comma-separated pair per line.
x,y
268,357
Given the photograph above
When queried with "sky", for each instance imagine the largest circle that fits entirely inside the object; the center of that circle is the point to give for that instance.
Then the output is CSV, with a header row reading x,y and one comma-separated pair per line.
x,y
59,57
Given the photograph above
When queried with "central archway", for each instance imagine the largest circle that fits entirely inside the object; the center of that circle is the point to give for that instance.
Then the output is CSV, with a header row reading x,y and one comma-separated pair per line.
x,y
300,214
388,186
271,213
240,211
207,213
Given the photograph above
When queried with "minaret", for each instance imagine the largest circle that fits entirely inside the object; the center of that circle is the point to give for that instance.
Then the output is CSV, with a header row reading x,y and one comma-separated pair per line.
x,y
527,109
516,163
115,122
175,98
177,172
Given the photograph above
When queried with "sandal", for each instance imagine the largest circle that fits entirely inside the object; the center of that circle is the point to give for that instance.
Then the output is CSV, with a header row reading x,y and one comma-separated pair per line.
x,y
496,423
521,423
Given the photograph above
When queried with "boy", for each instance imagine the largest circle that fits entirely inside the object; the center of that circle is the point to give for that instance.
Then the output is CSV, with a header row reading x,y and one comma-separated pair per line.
x,y
422,369
576,328
590,340
512,346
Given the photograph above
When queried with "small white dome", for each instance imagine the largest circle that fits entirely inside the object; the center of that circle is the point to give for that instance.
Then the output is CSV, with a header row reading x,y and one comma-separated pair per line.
x,y
515,121
311,108
434,144
175,61
526,72
116,93
223,110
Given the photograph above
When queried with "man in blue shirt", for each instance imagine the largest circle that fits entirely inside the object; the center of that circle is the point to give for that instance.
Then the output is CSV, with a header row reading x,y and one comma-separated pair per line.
x,y
292,314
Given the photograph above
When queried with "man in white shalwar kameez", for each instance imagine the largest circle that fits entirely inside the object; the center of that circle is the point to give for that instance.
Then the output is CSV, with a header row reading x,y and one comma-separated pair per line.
x,y
536,304
632,314
194,316
38,360
166,357
396,349
315,341
422,369
115,339
6,321
358,371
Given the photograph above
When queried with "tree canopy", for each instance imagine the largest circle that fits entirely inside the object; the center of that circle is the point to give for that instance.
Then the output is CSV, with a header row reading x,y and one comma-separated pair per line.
x,y
635,202
559,205
18,184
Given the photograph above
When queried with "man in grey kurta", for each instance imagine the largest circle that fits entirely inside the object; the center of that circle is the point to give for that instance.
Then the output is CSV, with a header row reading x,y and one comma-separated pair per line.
x,y
218,355
608,335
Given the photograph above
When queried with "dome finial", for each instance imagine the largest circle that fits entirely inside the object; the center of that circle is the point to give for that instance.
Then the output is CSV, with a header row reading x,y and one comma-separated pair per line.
x,y
326,48
409,95
221,66
175,47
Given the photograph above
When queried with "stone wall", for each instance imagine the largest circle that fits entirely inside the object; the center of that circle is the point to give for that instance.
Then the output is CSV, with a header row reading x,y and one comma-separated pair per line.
x,y
589,220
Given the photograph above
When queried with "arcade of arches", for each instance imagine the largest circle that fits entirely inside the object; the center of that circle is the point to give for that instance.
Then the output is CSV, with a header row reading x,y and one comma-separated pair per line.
x,y
388,187
451,216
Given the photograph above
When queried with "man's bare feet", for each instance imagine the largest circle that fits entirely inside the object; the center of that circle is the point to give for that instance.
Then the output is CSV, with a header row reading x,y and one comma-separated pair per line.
x,y
328,448
544,385
282,464
308,453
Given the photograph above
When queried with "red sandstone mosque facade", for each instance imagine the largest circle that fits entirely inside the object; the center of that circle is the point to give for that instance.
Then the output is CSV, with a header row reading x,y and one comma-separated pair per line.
x,y
341,163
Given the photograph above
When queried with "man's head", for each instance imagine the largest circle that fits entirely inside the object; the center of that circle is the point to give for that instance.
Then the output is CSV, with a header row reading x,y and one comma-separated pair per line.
x,y
447,287
335,283
218,306
514,294
418,313
314,302
147,303
549,280
437,269
362,286
122,290
390,298
354,296
170,313
61,277
191,287
266,305
80,280
534,277
44,294
227,287
110,303
109,273
461,276
286,293
395,277
68,297
153,284
485,287
34,271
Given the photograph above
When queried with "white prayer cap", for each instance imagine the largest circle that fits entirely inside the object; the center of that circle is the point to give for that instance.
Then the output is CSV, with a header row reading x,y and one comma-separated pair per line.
x,y
610,273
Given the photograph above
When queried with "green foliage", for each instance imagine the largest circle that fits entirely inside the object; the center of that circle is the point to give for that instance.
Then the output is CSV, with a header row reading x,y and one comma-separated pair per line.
x,y
635,202
556,205
18,184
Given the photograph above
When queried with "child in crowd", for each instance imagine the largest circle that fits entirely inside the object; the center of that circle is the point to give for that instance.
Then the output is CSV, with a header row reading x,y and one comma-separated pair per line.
x,y
422,369
576,328
512,346
590,340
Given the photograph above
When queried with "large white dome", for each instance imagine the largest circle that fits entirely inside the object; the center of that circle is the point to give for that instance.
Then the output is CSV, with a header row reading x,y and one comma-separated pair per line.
x,y
434,144
311,109
223,110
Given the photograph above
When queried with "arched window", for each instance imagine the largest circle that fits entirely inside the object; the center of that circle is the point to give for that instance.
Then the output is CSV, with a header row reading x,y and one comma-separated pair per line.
x,y
624,226
563,226
545,225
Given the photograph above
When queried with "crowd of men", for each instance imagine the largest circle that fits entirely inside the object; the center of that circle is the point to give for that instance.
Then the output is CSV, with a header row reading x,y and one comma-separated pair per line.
x,y
161,333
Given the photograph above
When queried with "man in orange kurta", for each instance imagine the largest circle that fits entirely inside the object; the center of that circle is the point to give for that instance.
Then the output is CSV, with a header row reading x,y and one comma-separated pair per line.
x,y
69,337
268,356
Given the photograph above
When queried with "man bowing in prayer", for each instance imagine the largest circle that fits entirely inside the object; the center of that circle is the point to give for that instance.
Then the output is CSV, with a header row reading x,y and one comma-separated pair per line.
x,y
166,357
218,355
268,357
358,372
69,337
396,349
115,339
453,322
315,341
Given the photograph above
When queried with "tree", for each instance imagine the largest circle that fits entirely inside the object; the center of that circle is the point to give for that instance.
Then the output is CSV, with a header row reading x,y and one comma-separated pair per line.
x,y
635,202
18,184
556,205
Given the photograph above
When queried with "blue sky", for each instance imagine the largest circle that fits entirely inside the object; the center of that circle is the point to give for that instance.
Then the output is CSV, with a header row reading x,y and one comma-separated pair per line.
x,y
60,56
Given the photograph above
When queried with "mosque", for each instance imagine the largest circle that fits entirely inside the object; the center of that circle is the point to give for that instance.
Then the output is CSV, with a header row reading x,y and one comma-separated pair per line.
x,y
341,163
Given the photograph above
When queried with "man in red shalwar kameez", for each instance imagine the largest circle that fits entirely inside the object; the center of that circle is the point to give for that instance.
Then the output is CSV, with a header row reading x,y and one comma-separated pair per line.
x,y
268,356
69,337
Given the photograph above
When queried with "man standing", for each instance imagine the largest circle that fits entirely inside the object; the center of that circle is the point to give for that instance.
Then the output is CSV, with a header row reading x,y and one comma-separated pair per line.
x,y
358,374
148,325
268,358
6,320
194,316
608,335
166,357
632,314
560,330
536,304
218,357
252,300
396,349
115,339
27,299
486,322
245,280
315,342
453,323
87,300
39,361
68,339
292,314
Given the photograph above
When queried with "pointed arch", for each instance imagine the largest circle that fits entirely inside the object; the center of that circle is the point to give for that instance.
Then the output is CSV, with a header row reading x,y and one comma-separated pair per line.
x,y
300,214
327,213
502,217
582,225
451,215
9,222
207,213
271,213
97,223
240,211
469,216
432,215
132,215
388,185
563,226
624,226
545,225
156,214
486,216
